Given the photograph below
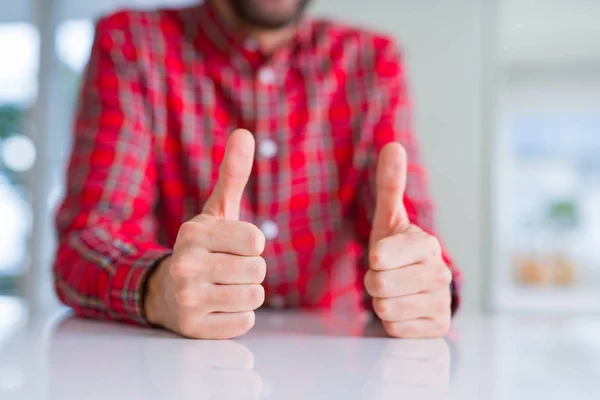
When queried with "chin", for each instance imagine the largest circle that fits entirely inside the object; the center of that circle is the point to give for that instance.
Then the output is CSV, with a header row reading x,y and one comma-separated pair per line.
x,y
269,13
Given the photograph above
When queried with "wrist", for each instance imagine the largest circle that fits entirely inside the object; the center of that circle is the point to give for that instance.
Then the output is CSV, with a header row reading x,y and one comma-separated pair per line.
x,y
154,294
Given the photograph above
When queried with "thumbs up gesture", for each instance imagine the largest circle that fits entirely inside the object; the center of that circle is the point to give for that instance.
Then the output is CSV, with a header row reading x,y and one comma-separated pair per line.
x,y
211,285
408,278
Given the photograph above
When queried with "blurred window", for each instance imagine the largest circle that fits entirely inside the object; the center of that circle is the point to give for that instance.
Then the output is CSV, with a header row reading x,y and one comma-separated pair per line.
x,y
73,43
19,46
553,128
19,50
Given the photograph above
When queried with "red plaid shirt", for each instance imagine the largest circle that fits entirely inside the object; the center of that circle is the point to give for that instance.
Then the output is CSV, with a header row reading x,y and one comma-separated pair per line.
x,y
163,90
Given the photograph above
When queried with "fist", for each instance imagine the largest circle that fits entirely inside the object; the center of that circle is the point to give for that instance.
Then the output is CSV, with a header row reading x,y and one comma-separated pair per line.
x,y
211,285
407,278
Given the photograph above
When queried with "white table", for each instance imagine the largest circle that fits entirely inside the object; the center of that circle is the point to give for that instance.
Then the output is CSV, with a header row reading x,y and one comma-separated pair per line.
x,y
292,355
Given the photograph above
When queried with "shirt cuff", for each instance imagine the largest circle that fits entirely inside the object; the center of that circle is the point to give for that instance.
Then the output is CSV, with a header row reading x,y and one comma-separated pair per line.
x,y
126,293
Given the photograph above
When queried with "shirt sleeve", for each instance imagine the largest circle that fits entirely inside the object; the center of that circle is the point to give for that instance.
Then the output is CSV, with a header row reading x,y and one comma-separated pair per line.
x,y
107,235
393,124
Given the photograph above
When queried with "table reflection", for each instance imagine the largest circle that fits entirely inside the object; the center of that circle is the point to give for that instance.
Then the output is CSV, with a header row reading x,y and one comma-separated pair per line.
x,y
96,360
107,361
411,369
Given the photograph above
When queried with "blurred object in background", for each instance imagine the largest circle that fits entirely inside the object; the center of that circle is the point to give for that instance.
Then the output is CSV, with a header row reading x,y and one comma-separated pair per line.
x,y
551,262
549,157
19,50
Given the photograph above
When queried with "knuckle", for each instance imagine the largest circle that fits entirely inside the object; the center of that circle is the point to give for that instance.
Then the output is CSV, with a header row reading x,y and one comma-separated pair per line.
x,y
258,269
188,231
186,298
394,329
247,321
256,295
447,275
379,283
376,257
256,240
237,326
434,246
375,283
442,305
382,309
187,326
190,267
178,271
181,269
442,276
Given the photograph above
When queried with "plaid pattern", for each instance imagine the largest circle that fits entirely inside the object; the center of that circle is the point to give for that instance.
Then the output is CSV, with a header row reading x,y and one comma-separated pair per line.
x,y
163,90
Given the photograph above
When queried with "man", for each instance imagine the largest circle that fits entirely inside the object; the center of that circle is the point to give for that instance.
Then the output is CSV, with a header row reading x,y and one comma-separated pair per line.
x,y
170,219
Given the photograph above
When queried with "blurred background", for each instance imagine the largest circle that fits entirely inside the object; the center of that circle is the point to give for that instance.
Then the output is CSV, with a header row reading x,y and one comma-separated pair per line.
x,y
507,97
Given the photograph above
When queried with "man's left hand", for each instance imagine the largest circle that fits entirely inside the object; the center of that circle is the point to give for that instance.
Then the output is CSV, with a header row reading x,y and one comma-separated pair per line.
x,y
408,278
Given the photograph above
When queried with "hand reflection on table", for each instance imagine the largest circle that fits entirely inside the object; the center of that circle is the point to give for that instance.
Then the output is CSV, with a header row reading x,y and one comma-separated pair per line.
x,y
304,357
411,369
146,364
203,370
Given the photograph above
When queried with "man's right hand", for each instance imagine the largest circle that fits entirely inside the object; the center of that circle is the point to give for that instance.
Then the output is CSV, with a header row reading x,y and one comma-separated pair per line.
x,y
211,285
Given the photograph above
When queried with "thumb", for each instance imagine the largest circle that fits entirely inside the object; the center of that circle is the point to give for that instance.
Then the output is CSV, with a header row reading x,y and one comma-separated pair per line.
x,y
390,214
224,202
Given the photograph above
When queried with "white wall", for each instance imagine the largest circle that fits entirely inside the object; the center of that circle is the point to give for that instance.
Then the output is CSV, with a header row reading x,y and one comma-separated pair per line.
x,y
11,11
550,33
447,45
24,10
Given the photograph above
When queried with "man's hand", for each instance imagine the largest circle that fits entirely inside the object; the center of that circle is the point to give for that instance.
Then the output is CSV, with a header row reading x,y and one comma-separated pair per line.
x,y
408,278
211,285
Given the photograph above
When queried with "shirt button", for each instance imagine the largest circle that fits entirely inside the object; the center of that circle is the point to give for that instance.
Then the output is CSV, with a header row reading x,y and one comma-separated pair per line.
x,y
277,301
251,44
270,229
266,76
267,148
